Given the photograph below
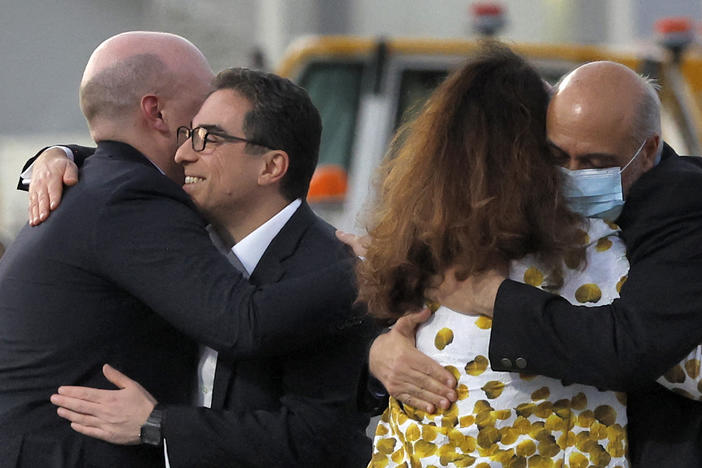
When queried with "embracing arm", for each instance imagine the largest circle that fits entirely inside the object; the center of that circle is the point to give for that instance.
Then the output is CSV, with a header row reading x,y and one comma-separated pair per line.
x,y
395,366
651,327
45,174
155,247
316,424
406,373
79,155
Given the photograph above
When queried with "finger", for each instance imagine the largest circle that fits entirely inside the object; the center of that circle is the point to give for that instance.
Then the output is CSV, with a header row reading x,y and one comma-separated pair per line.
x,y
357,243
33,206
420,384
352,241
417,403
85,393
425,372
83,419
43,203
422,398
407,324
436,377
76,404
343,236
116,377
419,317
364,241
70,174
53,192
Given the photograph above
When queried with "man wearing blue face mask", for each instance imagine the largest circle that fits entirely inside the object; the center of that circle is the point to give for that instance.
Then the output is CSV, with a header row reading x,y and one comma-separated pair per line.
x,y
597,193
604,129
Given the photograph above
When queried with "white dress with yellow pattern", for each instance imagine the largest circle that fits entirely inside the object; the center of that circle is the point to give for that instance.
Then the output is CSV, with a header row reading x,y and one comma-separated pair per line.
x,y
508,419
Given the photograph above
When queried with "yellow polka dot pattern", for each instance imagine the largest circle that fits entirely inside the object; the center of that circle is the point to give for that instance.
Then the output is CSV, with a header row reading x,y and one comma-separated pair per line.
x,y
443,338
511,419
685,378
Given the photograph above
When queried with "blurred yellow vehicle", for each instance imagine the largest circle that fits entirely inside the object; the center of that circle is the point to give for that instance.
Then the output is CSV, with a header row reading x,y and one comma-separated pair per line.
x,y
366,87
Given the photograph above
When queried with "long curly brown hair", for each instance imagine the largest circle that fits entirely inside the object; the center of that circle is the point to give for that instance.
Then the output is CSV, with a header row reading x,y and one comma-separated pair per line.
x,y
470,183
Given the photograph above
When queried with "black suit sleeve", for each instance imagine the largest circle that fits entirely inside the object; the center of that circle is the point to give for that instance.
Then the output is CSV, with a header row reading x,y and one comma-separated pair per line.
x,y
166,259
316,424
656,321
80,153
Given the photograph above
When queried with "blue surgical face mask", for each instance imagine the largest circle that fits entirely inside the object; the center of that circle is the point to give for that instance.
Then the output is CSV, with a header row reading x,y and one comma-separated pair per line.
x,y
596,193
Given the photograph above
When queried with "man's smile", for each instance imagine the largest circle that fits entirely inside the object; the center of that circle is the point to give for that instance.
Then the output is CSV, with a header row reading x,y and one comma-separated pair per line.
x,y
193,179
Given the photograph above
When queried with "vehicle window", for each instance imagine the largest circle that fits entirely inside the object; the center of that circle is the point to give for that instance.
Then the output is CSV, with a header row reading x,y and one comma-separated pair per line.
x,y
334,88
417,85
415,88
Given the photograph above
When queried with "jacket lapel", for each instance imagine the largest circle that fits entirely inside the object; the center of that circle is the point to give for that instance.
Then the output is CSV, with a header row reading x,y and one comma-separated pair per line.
x,y
270,269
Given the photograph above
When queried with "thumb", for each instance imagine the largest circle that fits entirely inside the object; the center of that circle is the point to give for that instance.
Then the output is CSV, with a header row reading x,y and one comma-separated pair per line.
x,y
407,325
70,174
358,244
343,236
116,377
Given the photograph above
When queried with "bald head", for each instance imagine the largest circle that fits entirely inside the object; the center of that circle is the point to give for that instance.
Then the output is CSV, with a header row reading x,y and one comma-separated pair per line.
x,y
173,50
599,115
129,65
139,87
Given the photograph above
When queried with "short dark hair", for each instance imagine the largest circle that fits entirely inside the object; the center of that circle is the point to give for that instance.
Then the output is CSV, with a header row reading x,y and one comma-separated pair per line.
x,y
283,117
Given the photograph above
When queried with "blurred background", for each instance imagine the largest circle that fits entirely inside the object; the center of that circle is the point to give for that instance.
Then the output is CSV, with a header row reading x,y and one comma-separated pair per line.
x,y
366,63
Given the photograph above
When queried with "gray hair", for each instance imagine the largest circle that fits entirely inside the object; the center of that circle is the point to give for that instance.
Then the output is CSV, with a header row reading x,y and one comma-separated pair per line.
x,y
115,92
647,120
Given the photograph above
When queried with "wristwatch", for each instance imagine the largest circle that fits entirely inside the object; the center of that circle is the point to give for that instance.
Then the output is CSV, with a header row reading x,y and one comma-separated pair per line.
x,y
151,430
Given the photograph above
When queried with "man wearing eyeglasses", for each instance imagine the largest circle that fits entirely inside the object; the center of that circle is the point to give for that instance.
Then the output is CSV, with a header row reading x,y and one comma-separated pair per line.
x,y
81,289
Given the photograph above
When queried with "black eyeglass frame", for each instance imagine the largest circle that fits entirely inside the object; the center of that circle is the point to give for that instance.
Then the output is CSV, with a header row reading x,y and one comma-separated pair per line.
x,y
189,132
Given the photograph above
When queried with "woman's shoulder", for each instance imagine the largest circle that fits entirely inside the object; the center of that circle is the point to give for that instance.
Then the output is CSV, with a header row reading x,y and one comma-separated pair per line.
x,y
594,281
450,337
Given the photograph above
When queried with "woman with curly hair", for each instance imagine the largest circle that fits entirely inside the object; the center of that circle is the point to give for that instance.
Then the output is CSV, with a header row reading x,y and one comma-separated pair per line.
x,y
470,186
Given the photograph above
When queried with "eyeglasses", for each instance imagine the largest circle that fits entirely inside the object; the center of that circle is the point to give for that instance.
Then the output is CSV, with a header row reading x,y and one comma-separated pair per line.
x,y
200,137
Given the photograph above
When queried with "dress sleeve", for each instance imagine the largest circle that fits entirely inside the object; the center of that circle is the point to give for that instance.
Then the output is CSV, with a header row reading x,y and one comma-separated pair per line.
x,y
684,378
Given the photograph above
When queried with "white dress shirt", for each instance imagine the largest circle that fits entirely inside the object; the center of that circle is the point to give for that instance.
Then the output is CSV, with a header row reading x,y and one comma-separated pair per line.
x,y
249,251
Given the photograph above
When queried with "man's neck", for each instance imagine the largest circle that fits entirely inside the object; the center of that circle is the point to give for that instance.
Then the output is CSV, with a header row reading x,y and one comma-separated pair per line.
x,y
223,235
240,224
144,144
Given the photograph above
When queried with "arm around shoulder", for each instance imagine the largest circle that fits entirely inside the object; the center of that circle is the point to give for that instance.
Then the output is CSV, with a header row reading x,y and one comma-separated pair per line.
x,y
170,264
654,323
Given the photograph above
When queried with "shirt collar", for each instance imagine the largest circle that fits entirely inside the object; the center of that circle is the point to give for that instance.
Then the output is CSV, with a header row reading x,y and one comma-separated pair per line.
x,y
251,248
156,166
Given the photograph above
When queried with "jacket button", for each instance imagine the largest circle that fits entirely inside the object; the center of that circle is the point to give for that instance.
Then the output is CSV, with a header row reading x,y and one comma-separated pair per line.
x,y
506,363
520,362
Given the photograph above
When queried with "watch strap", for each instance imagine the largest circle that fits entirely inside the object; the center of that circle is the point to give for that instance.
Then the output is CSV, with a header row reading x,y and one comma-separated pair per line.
x,y
151,431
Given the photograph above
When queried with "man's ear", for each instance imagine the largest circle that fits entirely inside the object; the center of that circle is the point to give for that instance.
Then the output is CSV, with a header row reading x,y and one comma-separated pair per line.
x,y
151,112
275,166
650,151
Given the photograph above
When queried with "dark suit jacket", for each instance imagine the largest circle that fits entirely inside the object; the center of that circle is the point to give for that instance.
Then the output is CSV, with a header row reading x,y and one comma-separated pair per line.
x,y
81,289
630,343
288,411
